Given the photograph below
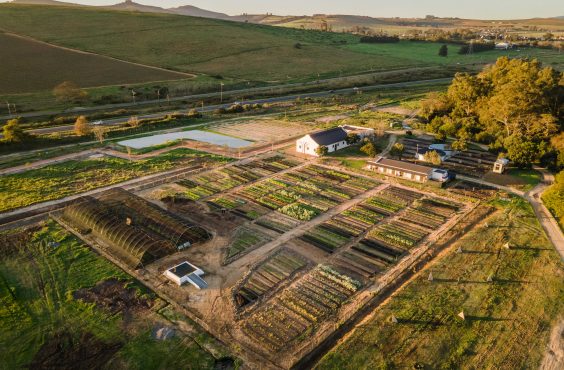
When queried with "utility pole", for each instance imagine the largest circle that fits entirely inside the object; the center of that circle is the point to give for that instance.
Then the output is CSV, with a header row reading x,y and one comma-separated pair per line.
x,y
221,92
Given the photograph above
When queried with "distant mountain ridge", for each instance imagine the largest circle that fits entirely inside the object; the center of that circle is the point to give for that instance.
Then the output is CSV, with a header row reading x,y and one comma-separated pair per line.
x,y
44,2
132,6
129,5
337,21
194,11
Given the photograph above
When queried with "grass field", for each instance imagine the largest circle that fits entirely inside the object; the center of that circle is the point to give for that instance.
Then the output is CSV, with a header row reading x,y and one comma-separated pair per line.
x,y
214,47
507,321
45,66
67,178
408,54
40,313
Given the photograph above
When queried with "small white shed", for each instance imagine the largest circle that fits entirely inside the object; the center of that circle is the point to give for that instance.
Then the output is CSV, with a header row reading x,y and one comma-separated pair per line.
x,y
500,165
186,272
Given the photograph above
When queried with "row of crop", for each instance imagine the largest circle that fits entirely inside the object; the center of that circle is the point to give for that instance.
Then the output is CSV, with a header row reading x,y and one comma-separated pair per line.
x,y
422,218
380,203
393,238
345,226
400,227
268,275
277,222
285,319
360,184
325,238
299,211
269,166
400,195
224,202
384,253
364,215
210,183
438,206
244,240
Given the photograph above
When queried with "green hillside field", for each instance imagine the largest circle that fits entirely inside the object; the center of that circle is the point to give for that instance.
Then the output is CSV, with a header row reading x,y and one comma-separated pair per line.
x,y
214,47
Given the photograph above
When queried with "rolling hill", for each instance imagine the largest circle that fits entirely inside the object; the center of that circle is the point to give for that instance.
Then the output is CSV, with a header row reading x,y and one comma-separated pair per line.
x,y
223,49
340,22
194,11
131,6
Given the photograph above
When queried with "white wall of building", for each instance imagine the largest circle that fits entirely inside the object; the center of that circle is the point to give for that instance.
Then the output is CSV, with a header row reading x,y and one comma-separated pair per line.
x,y
306,145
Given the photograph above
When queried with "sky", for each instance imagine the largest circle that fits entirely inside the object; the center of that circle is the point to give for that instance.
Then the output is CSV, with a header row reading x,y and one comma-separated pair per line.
x,y
476,9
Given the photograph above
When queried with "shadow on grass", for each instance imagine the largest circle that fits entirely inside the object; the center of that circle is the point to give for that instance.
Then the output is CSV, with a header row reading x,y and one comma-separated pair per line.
x,y
420,322
530,249
511,281
476,252
484,318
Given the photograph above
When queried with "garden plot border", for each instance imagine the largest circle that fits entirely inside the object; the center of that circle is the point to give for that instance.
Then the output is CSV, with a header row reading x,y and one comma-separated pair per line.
x,y
372,286
249,227
362,300
242,312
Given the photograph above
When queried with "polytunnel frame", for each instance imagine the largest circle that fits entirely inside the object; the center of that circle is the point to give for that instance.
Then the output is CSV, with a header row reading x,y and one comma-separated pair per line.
x,y
129,242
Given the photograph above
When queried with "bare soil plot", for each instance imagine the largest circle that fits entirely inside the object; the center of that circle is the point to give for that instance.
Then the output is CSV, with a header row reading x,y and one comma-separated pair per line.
x,y
29,66
263,130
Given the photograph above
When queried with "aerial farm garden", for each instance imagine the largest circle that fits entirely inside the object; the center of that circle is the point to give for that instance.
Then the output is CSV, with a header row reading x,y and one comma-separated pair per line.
x,y
299,246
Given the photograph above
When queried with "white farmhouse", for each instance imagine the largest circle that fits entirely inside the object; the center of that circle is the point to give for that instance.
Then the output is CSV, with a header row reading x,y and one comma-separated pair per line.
x,y
334,139
186,272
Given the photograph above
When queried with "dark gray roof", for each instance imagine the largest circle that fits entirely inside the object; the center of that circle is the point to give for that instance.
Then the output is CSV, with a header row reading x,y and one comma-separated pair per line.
x,y
330,136
182,270
403,166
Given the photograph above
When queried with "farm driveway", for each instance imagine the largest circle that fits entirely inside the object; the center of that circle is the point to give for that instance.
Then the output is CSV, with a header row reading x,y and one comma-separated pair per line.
x,y
544,216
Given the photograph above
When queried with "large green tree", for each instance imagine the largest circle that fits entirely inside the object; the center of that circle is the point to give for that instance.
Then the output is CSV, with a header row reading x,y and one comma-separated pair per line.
x,y
514,105
13,133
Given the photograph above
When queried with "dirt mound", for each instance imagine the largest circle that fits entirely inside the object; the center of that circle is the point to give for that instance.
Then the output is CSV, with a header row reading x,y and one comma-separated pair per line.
x,y
12,243
63,351
112,295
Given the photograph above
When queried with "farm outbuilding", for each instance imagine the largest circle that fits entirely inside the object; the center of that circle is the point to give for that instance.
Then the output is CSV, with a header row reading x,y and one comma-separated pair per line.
x,y
186,272
500,165
409,171
135,231
401,169
334,139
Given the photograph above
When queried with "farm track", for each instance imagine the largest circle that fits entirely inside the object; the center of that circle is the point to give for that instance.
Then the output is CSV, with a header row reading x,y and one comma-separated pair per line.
x,y
533,196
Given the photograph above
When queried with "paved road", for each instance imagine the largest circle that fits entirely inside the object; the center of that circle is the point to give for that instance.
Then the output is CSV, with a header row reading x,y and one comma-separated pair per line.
x,y
533,196
279,99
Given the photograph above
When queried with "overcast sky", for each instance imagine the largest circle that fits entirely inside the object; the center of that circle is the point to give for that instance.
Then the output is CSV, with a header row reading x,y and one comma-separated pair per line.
x,y
483,9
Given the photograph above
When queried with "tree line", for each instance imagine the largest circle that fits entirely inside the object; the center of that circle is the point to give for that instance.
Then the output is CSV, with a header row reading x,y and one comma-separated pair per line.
x,y
514,106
